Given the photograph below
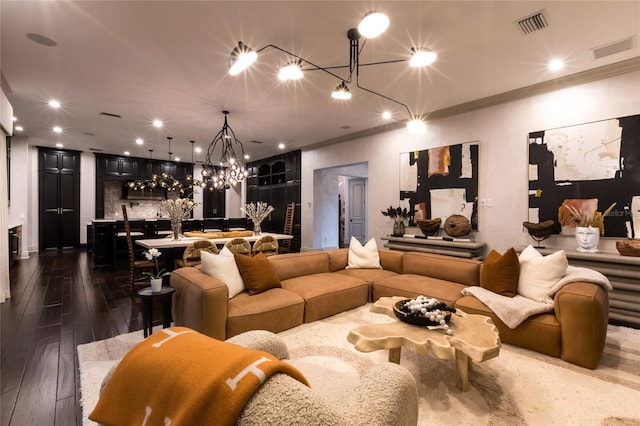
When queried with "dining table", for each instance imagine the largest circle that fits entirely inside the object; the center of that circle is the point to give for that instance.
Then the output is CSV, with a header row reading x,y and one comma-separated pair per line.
x,y
170,243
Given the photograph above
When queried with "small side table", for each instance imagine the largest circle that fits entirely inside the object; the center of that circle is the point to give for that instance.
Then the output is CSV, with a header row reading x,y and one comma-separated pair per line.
x,y
146,299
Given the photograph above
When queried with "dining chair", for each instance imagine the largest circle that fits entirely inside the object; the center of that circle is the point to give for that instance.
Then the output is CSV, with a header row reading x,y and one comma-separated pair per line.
x,y
239,246
266,245
135,265
191,255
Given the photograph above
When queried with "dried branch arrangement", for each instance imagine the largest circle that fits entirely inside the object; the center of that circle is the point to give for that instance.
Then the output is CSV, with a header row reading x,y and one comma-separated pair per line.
x,y
594,220
257,212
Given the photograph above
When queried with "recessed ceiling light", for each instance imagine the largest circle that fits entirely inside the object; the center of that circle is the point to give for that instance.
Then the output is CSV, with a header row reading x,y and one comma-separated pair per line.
x,y
246,156
15,118
386,115
57,129
198,150
176,159
157,123
556,64
127,153
19,128
281,145
54,104
139,141
59,145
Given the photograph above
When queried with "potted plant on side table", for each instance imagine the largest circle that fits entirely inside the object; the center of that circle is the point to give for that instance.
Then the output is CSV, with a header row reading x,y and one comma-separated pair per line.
x,y
155,279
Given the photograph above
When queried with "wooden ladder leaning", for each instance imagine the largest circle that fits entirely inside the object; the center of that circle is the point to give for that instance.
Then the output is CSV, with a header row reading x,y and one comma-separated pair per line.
x,y
285,245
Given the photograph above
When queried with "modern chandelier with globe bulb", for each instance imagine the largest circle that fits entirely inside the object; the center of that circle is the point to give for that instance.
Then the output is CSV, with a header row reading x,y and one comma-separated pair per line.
x,y
372,25
230,169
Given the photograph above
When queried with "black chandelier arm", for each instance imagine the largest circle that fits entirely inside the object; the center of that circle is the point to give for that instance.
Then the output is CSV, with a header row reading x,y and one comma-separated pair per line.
x,y
383,96
335,67
317,67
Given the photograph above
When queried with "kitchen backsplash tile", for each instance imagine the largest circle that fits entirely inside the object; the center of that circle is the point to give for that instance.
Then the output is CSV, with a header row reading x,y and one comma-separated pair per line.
x,y
147,209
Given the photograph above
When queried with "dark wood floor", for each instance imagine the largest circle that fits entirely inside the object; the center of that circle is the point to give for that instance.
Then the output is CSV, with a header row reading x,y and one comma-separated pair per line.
x,y
58,301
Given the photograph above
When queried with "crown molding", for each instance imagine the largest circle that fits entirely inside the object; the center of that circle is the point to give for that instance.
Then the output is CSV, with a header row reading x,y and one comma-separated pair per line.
x,y
595,74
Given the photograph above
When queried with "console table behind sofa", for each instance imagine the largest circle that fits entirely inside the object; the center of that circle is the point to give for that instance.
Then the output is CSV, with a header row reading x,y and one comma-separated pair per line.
x,y
468,249
623,273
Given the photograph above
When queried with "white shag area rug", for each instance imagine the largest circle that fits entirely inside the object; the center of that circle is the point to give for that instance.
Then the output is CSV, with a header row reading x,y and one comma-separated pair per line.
x,y
519,387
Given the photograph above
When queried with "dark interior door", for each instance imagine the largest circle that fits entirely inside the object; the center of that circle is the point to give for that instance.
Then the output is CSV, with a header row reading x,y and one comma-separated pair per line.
x,y
59,189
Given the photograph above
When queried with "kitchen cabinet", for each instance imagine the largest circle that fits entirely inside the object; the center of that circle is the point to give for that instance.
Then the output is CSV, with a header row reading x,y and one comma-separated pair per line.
x,y
124,169
58,198
276,181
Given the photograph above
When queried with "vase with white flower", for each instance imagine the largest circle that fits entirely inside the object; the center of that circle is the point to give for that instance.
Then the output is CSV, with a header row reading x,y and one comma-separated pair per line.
x,y
177,209
257,213
155,278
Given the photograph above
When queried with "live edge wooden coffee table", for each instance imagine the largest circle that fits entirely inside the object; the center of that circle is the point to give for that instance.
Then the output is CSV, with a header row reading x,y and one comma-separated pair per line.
x,y
474,338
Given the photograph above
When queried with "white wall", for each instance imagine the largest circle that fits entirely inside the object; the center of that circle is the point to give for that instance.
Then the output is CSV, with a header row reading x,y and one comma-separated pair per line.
x,y
502,132
6,128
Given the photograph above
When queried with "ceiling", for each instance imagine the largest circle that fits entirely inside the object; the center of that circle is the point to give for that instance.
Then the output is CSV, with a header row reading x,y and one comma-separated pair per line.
x,y
143,60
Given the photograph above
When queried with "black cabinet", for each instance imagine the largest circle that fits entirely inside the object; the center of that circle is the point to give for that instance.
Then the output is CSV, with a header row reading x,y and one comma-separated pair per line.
x,y
124,169
116,166
103,239
59,198
276,181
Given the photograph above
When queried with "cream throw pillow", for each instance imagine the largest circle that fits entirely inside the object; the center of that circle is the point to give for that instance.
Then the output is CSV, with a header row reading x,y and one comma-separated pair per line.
x,y
539,274
223,267
361,257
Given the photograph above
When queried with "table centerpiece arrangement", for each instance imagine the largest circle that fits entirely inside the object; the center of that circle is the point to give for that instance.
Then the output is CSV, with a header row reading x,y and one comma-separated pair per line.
x,y
257,213
177,209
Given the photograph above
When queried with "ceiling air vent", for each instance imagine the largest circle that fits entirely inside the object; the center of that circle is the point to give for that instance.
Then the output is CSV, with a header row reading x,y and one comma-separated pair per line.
x,y
258,142
108,114
613,47
95,149
532,23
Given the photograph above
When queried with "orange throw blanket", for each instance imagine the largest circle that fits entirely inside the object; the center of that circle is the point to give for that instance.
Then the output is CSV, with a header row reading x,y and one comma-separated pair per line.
x,y
181,377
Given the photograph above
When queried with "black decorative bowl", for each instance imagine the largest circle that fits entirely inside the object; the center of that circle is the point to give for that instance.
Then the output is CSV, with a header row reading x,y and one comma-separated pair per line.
x,y
419,319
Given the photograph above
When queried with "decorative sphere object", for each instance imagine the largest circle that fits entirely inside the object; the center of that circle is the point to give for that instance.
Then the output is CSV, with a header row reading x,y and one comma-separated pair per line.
x,y
457,225
402,310
628,247
429,227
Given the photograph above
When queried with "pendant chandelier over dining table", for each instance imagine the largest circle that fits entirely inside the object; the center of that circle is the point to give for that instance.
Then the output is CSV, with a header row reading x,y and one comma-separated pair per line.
x,y
372,25
229,169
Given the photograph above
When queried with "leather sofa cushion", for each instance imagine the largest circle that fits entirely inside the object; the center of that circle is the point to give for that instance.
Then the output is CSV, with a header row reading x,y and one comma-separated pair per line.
x,y
328,293
367,275
540,333
293,265
410,286
275,310
448,268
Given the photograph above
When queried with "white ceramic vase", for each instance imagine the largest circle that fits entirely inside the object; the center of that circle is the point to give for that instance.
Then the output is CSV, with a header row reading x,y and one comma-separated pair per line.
x,y
587,238
156,284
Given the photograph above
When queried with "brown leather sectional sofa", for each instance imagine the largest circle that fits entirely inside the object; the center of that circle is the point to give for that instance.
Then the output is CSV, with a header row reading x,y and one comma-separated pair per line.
x,y
316,285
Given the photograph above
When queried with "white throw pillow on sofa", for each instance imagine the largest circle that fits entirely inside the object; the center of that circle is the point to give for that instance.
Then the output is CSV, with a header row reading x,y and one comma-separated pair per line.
x,y
223,266
366,256
539,274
